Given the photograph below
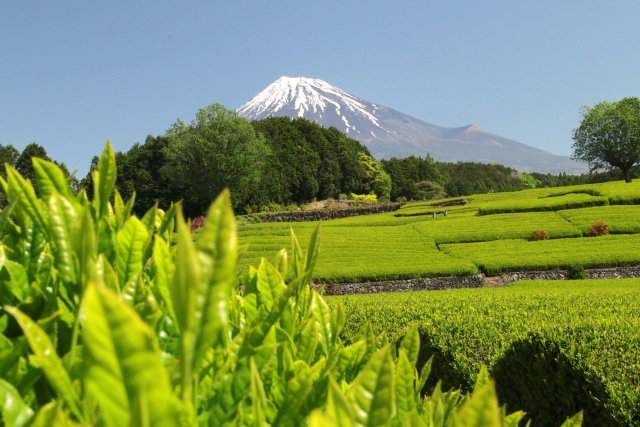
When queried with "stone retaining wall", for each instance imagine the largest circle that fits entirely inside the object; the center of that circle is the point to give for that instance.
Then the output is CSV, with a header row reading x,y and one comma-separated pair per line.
x,y
324,214
628,272
423,284
475,281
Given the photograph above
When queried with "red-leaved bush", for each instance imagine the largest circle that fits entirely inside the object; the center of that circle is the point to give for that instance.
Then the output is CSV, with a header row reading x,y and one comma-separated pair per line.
x,y
599,229
539,235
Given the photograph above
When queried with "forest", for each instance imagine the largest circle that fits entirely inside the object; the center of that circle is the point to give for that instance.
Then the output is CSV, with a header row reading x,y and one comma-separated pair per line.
x,y
280,163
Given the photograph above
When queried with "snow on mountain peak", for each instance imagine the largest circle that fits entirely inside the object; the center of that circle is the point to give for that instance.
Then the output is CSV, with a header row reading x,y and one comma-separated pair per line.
x,y
307,97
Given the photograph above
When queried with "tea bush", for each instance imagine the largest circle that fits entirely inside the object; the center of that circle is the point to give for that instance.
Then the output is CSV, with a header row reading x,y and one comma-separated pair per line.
x,y
553,347
104,323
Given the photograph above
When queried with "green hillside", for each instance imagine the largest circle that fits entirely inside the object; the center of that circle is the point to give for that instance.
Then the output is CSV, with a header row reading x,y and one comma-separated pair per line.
x,y
490,234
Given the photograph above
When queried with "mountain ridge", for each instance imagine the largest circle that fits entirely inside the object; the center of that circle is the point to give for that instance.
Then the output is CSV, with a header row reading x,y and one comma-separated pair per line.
x,y
391,133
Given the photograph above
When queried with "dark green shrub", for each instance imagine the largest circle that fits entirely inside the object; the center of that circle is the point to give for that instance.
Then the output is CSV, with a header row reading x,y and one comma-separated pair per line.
x,y
576,272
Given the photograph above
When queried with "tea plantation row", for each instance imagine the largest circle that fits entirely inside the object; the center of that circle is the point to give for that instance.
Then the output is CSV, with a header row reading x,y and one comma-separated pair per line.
x,y
513,255
552,347
384,247
535,200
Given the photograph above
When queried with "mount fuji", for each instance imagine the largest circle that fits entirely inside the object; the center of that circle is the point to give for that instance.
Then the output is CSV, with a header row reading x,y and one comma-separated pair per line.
x,y
390,133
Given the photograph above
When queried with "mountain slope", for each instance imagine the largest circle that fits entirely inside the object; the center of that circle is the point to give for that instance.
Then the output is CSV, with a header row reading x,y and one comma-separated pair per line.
x,y
390,133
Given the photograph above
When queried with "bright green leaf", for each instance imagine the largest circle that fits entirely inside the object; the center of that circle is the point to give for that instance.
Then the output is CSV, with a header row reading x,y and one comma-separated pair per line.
x,y
15,413
130,244
372,392
123,360
48,360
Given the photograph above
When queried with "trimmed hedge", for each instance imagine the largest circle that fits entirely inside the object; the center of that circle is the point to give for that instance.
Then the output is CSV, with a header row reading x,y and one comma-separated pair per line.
x,y
514,255
566,201
360,254
496,227
620,219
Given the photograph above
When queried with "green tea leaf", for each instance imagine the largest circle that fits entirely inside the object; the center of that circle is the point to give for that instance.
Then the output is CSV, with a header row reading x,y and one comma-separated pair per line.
x,y
350,360
339,409
313,250
424,375
482,379
575,421
298,389
19,283
411,345
50,179
61,217
322,315
149,219
48,360
130,244
513,420
23,190
338,320
481,410
107,181
281,262
185,291
250,297
372,392
123,360
235,387
318,419
270,284
5,214
52,415
258,397
118,210
164,270
15,413
106,273
307,342
405,386
297,256
128,208
167,224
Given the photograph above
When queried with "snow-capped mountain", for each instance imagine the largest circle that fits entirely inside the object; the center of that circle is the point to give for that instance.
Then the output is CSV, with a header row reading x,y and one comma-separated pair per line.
x,y
390,133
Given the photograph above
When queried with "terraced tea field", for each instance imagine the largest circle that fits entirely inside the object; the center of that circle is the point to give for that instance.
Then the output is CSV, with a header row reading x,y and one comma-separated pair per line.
x,y
478,236
354,254
512,255
623,219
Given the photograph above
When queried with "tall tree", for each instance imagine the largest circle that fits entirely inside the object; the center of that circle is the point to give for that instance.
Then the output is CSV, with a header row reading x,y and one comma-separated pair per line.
x,y
376,180
24,164
139,170
609,136
218,149
8,156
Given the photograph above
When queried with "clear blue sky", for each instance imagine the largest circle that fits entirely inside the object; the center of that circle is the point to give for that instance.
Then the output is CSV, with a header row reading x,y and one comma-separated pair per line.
x,y
73,74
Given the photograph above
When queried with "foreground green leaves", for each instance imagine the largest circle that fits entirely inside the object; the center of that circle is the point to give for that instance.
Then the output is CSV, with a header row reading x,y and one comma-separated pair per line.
x,y
106,323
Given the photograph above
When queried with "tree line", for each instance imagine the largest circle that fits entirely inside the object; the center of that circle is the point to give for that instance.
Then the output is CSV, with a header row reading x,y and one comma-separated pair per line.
x,y
282,161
